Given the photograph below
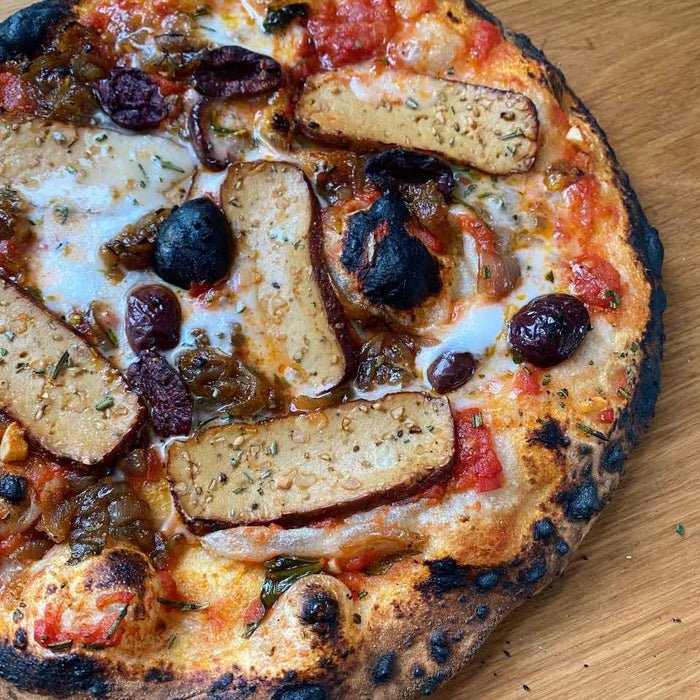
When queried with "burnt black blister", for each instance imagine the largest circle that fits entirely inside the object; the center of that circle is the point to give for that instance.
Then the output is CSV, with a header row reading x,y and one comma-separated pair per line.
x,y
397,168
301,691
320,611
230,71
533,573
394,268
194,245
24,32
550,435
614,458
13,488
445,575
165,394
487,580
581,502
131,99
543,530
439,647
384,668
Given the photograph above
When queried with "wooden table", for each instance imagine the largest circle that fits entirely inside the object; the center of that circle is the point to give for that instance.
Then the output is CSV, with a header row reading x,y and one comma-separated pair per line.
x,y
624,621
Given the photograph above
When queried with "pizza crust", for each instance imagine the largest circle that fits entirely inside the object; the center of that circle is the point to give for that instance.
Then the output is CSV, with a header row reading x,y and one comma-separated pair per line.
x,y
440,612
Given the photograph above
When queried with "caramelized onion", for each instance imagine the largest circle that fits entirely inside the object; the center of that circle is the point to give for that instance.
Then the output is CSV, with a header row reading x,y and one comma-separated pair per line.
x,y
498,274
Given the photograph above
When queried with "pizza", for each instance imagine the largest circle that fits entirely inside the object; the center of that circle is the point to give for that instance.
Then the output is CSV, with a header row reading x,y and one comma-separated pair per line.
x,y
325,331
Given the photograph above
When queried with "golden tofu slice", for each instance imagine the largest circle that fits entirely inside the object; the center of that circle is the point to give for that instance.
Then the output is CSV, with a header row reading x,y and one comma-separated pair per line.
x,y
70,400
303,467
297,329
489,129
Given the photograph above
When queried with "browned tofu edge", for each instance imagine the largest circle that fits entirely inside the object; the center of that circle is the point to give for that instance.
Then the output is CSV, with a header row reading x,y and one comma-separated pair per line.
x,y
202,526
41,444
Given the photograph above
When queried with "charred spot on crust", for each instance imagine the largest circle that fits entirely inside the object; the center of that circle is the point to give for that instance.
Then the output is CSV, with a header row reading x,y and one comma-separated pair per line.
x,y
487,580
393,268
613,458
24,32
13,488
533,573
543,530
60,677
221,685
561,547
417,671
550,435
157,675
301,691
119,567
20,640
384,668
482,612
320,611
439,647
445,575
581,502
432,683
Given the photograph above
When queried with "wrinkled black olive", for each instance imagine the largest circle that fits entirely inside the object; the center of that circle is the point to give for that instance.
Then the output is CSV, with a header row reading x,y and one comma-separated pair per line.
x,y
152,318
165,394
194,244
131,99
279,18
24,32
547,330
400,272
395,169
13,488
232,70
451,370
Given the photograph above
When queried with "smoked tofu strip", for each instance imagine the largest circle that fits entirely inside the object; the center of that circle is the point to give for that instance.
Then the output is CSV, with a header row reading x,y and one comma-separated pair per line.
x,y
297,329
69,399
489,129
304,467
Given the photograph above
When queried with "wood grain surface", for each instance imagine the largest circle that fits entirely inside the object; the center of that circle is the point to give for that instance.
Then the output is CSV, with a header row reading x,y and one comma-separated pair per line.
x,y
624,621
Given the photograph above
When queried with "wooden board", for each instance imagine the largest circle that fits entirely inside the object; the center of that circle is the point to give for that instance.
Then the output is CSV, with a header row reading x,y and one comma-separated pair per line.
x,y
624,621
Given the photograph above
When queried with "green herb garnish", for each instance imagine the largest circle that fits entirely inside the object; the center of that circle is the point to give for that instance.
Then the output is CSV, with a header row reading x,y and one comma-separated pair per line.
x,y
104,404
184,605
411,103
614,298
60,365
168,165
115,625
477,420
680,530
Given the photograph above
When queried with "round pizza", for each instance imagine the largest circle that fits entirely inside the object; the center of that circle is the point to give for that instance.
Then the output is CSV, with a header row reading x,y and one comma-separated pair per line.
x,y
325,331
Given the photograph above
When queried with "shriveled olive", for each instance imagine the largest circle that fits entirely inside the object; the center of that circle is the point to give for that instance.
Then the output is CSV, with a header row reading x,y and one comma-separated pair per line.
x,y
134,245
152,318
397,168
228,71
547,330
131,99
13,488
451,370
166,396
195,244
213,374
386,358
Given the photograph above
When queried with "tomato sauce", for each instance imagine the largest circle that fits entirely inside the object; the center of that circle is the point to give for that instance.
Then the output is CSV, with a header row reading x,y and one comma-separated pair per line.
x,y
476,465
527,382
13,96
597,282
485,39
351,31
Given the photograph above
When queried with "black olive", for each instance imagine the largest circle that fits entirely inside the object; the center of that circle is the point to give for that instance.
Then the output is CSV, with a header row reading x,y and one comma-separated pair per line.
x,y
24,32
199,124
397,168
131,99
451,370
152,318
13,488
400,271
547,330
194,244
228,71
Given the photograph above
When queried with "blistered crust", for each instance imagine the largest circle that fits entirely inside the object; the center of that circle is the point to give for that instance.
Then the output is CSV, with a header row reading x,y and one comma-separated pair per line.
x,y
429,635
